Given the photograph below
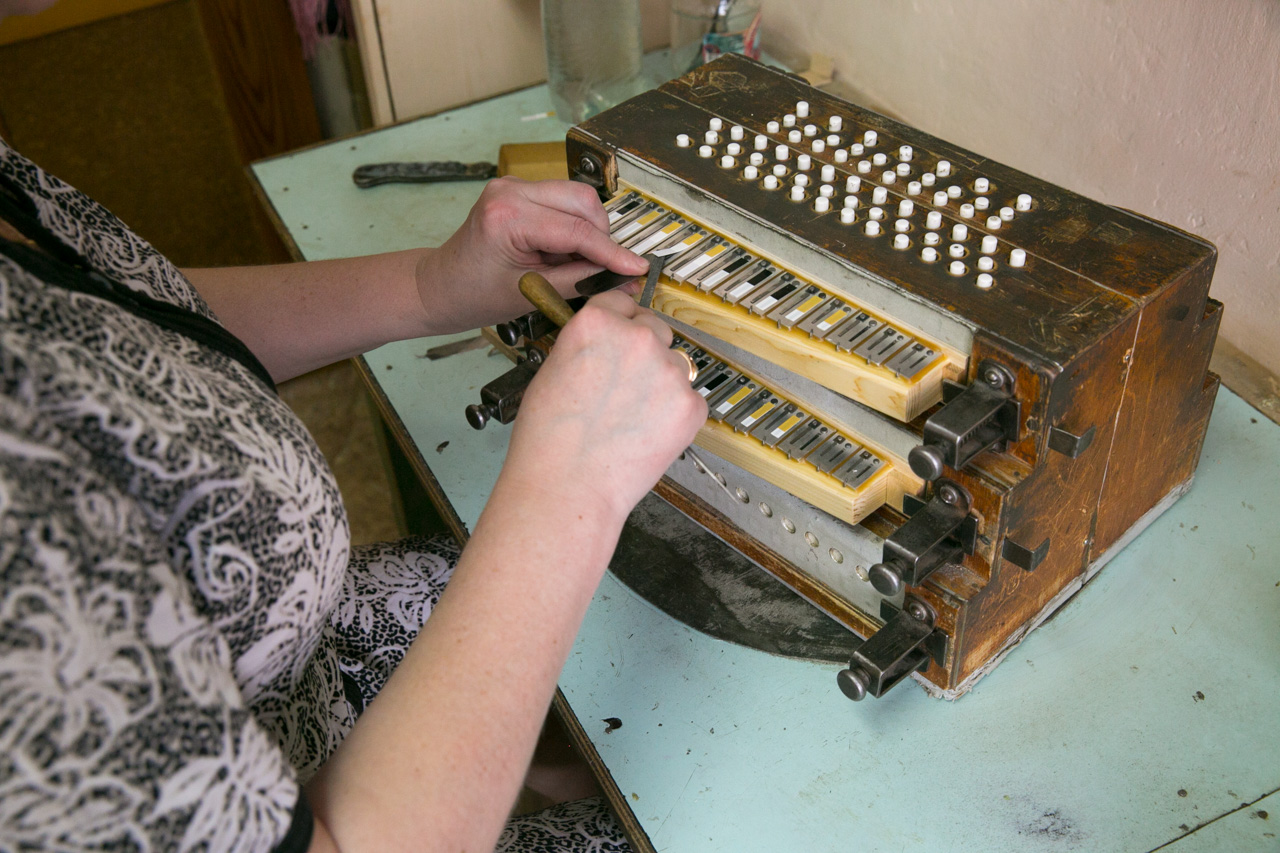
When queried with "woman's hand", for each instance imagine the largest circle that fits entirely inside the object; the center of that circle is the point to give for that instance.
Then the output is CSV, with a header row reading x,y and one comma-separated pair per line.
x,y
558,228
608,411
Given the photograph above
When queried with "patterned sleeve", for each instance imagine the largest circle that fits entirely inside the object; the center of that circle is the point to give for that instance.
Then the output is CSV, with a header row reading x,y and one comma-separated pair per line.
x,y
121,725
387,594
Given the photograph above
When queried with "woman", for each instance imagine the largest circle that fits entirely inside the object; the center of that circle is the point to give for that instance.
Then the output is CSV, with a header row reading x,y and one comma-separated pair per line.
x,y
188,651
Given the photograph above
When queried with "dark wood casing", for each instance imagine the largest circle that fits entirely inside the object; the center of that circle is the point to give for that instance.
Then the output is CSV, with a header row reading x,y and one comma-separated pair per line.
x,y
1109,327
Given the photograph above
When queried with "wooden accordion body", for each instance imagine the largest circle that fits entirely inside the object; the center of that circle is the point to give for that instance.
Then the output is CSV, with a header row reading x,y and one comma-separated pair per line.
x,y
1047,398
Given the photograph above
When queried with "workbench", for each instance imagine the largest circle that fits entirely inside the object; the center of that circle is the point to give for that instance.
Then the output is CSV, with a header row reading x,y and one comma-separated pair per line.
x,y
1142,716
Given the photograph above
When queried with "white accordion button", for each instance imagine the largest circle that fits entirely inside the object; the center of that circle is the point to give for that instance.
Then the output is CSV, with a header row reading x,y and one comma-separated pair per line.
x,y
864,166
780,170
966,211
781,153
853,184
879,195
872,228
959,232
802,109
956,268
810,130
736,133
711,137
804,162
851,202
706,151
985,280
727,162
928,179
822,204
988,245
818,146
771,182
993,223
751,173
1023,202
914,188
1006,213
733,149
827,190
902,226
788,120
795,137
797,193
940,198
933,220
1018,258
869,138
762,142
716,124
841,156
756,159
944,168
848,215
683,140
981,185
905,153
906,207
876,213
836,123
772,127
986,263
955,250
828,173
901,241
888,178
929,255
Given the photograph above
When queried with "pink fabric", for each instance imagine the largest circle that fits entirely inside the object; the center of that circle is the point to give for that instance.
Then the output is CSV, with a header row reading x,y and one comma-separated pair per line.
x,y
312,20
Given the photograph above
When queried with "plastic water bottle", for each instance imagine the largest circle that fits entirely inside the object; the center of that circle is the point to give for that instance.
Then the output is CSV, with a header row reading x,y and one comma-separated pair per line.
x,y
593,54
701,30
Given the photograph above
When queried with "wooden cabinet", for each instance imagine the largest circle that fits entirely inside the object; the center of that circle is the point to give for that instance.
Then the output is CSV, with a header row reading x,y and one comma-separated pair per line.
x,y
155,108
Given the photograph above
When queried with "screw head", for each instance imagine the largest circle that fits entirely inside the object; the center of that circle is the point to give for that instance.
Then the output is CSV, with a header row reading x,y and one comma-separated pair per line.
x,y
993,377
587,165
918,610
950,494
533,354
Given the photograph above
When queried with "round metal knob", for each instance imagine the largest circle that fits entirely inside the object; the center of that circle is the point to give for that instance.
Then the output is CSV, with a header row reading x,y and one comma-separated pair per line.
x,y
926,461
886,578
508,333
853,683
478,415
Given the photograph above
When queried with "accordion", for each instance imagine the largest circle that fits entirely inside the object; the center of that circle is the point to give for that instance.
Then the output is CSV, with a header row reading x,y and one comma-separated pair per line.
x,y
942,392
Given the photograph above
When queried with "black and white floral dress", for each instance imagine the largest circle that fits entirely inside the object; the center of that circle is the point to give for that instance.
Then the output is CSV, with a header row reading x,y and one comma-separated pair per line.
x,y
185,632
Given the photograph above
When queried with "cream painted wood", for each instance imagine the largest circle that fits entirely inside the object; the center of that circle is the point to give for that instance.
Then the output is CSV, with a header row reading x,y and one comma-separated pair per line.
x,y
420,58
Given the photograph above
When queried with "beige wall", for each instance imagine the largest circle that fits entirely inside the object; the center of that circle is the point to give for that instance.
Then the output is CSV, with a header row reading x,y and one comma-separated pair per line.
x,y
1167,107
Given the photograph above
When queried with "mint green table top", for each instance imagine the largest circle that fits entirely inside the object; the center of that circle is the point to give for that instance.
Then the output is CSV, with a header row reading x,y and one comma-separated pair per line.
x,y
1144,715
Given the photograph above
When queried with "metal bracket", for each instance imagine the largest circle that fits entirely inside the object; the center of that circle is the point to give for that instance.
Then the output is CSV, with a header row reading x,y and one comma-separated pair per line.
x,y
981,416
500,399
898,649
532,325
1023,557
937,533
1068,444
589,170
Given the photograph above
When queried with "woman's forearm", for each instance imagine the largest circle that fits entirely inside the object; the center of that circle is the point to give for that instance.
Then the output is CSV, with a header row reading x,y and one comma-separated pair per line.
x,y
297,317
436,761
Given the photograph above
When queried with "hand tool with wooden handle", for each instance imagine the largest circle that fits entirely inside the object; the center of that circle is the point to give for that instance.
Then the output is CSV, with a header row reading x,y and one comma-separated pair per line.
x,y
547,300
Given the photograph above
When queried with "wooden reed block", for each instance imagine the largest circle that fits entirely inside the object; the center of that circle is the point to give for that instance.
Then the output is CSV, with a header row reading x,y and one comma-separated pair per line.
x,y
533,161
874,386
801,479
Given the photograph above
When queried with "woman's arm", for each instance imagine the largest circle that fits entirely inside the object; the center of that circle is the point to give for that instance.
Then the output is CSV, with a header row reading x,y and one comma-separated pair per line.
x,y
297,317
436,760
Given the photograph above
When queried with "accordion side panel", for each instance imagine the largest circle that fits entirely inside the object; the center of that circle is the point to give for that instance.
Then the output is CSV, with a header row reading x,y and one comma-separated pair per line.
x,y
1055,506
1166,408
